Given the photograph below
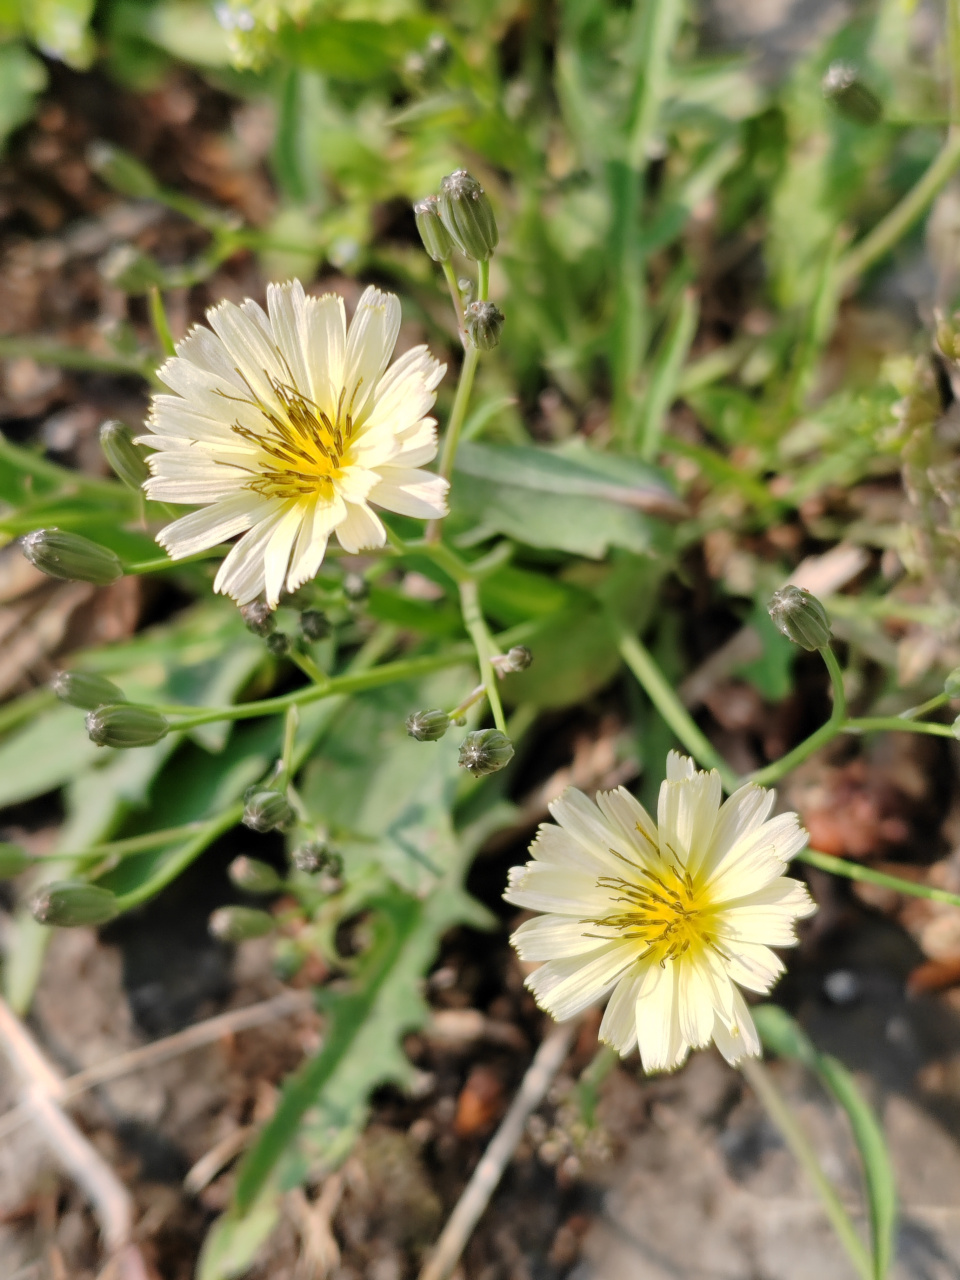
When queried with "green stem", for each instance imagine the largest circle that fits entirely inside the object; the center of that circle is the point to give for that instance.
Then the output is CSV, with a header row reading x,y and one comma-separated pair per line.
x,y
483,280
872,724
359,682
307,666
191,850
760,1080
854,871
161,325
457,417
136,844
165,562
826,733
932,704
903,215
290,728
456,297
654,684
485,648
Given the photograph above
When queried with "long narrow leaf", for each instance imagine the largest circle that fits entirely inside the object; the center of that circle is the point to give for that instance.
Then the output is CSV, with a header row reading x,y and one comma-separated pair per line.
x,y
779,1032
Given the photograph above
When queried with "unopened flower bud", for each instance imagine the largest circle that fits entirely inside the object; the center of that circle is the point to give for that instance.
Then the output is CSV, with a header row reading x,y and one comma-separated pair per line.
x,y
483,322
125,457
86,690
800,616
435,236
428,726
13,860
125,724
131,271
121,171
951,686
355,587
844,88
253,876
266,810
314,625
69,903
316,856
485,751
279,644
237,924
71,556
259,618
519,658
468,215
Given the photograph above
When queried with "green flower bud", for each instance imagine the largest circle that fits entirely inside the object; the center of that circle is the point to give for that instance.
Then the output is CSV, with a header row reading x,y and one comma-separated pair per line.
x,y
253,876
316,856
125,724
259,618
519,658
428,726
68,903
86,690
131,271
484,324
844,88
485,751
314,625
951,686
120,170
800,617
435,236
468,215
71,556
13,860
278,644
237,924
126,458
266,810
355,587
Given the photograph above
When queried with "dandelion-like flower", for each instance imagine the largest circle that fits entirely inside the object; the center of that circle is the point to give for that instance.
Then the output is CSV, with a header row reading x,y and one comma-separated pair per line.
x,y
672,917
285,426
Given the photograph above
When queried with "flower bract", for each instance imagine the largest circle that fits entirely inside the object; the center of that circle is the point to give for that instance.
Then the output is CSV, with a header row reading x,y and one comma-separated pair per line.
x,y
286,426
670,918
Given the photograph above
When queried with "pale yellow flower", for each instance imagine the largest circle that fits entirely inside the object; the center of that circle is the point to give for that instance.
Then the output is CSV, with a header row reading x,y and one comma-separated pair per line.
x,y
671,918
287,427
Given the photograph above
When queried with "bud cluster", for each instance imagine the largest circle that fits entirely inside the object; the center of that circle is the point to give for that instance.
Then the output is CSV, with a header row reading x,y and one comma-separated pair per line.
x,y
459,218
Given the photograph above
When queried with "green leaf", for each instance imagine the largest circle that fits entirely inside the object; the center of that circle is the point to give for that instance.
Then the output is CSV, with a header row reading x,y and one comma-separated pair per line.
x,y
780,1033
60,29
232,1242
22,78
583,505
361,1046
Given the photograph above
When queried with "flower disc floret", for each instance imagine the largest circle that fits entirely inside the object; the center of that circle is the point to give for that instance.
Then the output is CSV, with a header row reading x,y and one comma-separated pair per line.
x,y
286,426
669,918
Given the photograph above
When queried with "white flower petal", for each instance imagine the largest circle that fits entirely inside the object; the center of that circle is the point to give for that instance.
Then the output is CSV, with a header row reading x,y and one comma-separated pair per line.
x,y
360,530
325,342
311,545
276,554
687,811
618,1026
370,342
662,1046
567,986
538,886
242,573
757,858
745,811
739,1038
581,819
626,815
411,493
553,937
210,525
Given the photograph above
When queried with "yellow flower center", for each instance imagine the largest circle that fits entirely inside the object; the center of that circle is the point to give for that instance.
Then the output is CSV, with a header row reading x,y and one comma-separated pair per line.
x,y
305,452
663,909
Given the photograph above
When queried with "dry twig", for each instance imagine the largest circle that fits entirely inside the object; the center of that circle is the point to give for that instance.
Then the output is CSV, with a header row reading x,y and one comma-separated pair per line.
x,y
40,1089
476,1195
